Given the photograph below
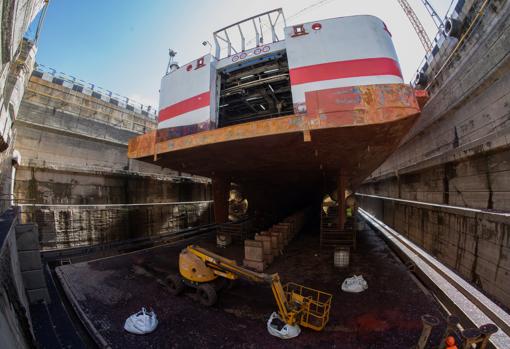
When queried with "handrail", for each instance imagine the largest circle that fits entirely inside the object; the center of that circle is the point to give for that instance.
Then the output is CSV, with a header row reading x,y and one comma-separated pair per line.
x,y
236,31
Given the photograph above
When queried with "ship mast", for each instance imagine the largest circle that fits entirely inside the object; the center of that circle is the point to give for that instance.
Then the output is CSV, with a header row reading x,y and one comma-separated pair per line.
x,y
172,65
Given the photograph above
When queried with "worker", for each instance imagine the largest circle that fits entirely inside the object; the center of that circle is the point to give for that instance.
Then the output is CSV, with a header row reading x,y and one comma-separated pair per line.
x,y
351,206
450,343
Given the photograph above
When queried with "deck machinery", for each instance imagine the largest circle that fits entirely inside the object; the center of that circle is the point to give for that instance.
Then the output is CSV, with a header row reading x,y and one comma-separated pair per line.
x,y
294,113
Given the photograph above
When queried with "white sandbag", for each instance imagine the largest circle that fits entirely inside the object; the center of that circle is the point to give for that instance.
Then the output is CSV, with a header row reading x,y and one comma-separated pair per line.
x,y
142,322
284,332
354,284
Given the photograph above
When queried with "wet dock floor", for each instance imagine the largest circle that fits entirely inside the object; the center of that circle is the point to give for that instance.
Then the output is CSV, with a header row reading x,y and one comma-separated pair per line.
x,y
386,315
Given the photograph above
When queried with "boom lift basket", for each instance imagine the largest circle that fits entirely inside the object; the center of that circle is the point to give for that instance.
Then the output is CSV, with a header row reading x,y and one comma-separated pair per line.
x,y
317,305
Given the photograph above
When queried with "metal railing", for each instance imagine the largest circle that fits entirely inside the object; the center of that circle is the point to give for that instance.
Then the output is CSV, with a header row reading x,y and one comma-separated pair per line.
x,y
234,35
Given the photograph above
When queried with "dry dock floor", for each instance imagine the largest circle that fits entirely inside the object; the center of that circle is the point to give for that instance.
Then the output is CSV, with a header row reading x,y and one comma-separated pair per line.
x,y
387,315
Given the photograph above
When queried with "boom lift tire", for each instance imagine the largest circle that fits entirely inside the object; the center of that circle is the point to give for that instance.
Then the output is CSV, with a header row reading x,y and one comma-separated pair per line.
x,y
174,284
207,294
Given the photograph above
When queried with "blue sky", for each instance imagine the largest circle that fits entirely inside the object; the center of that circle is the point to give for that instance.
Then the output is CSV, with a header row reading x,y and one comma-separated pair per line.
x,y
122,45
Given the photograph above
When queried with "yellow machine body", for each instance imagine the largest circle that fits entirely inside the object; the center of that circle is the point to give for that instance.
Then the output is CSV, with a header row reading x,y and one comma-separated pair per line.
x,y
194,269
297,304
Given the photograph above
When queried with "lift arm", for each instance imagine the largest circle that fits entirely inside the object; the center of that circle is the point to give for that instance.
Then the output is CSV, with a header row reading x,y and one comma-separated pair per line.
x,y
229,269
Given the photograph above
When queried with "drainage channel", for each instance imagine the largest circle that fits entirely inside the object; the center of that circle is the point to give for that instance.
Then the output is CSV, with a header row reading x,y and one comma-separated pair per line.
x,y
459,297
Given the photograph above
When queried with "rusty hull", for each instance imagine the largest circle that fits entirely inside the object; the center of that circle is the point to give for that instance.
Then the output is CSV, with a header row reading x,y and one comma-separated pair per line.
x,y
351,129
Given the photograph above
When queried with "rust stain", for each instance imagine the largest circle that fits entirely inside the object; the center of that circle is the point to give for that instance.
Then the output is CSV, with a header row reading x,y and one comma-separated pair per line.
x,y
333,108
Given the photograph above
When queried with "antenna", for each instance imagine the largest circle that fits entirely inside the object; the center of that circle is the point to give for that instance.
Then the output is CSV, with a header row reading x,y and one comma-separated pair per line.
x,y
172,65
418,27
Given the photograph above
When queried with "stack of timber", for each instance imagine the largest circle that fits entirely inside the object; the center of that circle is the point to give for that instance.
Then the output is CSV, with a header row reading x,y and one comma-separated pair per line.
x,y
260,252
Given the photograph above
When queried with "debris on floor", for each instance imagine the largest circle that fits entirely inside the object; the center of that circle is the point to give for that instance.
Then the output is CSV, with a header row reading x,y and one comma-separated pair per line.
x,y
142,322
278,328
354,284
385,318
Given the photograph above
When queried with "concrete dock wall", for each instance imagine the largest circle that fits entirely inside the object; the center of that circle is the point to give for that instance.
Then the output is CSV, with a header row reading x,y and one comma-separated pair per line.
x,y
458,154
474,243
73,150
77,226
15,325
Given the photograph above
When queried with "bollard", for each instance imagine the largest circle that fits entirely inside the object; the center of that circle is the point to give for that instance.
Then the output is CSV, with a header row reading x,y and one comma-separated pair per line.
x,y
470,336
487,331
451,328
429,321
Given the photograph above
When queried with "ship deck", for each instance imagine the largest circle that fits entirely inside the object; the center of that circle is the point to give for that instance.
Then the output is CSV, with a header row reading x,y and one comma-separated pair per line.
x,y
386,315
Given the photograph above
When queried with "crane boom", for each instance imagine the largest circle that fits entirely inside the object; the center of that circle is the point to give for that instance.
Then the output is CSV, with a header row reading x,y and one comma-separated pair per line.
x,y
418,27
432,12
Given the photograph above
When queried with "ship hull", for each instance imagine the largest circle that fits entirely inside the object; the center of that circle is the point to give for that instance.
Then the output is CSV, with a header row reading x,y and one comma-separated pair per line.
x,y
346,132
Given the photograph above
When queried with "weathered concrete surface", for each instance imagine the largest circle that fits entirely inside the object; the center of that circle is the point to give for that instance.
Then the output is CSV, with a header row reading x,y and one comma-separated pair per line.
x,y
458,154
16,64
13,79
27,238
481,181
65,129
49,186
74,152
15,326
468,113
474,243
66,227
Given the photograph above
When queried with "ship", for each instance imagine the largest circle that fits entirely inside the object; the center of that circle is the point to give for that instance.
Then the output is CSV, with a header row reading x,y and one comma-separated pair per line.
x,y
295,114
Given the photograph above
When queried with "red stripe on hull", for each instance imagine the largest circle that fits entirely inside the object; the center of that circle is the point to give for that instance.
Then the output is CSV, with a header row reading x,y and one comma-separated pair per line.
x,y
185,106
345,69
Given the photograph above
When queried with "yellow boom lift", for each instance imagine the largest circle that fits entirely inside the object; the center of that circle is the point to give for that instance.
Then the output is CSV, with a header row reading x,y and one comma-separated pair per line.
x,y
200,269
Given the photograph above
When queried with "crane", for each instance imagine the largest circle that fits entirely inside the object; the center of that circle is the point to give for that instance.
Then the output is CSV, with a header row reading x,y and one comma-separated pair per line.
x,y
418,27
435,17
200,269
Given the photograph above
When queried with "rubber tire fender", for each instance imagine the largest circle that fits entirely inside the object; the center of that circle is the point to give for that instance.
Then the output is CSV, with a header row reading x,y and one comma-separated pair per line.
x,y
452,28
420,78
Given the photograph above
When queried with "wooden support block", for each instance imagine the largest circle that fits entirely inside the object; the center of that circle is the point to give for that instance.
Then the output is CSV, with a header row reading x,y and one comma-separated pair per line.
x,y
288,230
279,240
255,265
283,231
274,245
266,243
253,250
